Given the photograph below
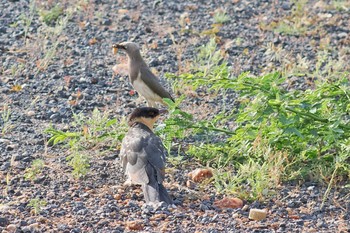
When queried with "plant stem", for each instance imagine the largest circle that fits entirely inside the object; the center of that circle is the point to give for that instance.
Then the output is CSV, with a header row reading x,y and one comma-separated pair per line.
x,y
329,187
310,115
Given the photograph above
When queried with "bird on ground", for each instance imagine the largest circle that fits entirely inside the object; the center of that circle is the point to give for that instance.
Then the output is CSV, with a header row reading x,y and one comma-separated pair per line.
x,y
140,75
143,155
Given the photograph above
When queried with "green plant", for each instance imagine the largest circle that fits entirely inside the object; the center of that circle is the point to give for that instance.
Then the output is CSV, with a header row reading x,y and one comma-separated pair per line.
x,y
52,40
80,163
221,17
27,19
50,17
298,22
341,5
35,169
88,134
307,129
5,119
37,205
179,123
257,176
208,65
341,163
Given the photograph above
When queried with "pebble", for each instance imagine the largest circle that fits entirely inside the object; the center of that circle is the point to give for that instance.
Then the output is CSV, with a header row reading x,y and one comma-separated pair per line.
x,y
342,35
3,222
5,166
11,227
286,6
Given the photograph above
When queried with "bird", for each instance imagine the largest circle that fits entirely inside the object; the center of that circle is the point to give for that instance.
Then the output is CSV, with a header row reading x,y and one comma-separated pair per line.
x,y
143,155
140,75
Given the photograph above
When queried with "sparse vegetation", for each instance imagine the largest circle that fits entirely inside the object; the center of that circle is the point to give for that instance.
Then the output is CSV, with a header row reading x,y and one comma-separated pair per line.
x,y
37,205
34,170
5,119
309,128
50,17
221,17
87,134
297,23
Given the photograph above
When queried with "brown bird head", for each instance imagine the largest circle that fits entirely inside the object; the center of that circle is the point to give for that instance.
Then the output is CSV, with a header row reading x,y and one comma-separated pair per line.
x,y
131,49
146,115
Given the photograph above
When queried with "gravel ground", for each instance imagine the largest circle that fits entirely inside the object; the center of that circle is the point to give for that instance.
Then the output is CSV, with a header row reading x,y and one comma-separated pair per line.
x,y
79,77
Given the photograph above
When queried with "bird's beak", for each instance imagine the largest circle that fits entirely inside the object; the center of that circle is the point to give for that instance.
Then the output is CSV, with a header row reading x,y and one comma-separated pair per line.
x,y
163,111
115,47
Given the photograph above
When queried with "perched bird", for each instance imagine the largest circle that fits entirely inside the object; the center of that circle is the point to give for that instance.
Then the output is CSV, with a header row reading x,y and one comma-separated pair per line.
x,y
143,155
141,77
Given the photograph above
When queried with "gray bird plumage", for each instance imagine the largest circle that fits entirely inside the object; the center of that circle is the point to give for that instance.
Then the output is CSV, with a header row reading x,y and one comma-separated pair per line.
x,y
143,156
141,77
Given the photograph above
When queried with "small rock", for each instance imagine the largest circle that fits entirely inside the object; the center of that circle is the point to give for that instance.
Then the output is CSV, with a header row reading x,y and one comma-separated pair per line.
x,y
148,29
5,166
17,157
11,228
30,113
6,141
342,35
245,207
286,6
229,203
41,219
26,229
200,174
11,147
55,76
117,196
135,225
94,80
62,227
34,226
76,230
154,62
190,184
106,22
257,214
203,207
300,223
3,222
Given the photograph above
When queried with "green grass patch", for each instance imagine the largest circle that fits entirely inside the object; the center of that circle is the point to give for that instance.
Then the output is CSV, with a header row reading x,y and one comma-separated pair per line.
x,y
88,136
306,132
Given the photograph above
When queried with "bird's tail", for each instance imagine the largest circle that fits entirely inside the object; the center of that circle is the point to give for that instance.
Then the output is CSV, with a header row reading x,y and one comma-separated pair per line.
x,y
163,195
155,192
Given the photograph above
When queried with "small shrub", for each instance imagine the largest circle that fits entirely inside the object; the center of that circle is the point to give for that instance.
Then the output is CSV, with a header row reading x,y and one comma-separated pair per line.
x,y
37,205
34,170
221,17
88,135
305,131
50,17
5,119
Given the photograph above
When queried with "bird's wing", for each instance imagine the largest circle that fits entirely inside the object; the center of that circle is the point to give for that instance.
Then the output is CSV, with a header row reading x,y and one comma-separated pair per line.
x,y
156,155
133,156
140,152
152,82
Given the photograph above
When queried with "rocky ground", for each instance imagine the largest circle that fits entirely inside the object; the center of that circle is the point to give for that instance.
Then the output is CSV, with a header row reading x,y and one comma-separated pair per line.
x,y
48,72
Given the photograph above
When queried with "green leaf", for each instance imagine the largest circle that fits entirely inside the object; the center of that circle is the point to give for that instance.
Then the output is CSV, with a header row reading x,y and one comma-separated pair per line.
x,y
293,131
